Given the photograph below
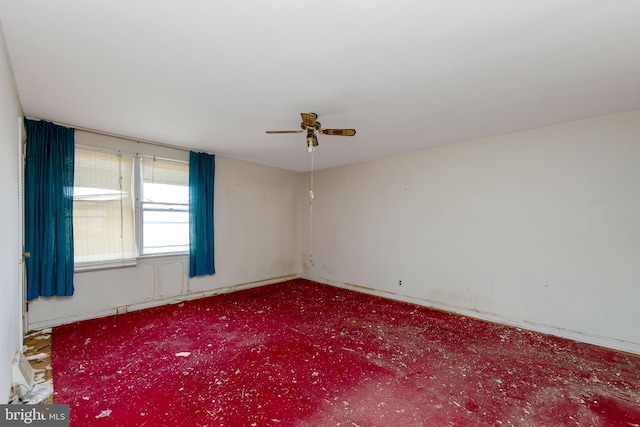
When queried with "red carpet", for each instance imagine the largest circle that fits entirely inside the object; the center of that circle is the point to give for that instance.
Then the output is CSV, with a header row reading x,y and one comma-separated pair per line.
x,y
303,354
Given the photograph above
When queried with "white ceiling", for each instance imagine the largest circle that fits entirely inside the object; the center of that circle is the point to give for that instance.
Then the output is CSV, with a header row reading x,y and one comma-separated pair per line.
x,y
407,74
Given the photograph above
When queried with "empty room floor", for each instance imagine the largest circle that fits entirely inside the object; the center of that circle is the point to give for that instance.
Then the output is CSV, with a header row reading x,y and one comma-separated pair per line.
x,y
299,353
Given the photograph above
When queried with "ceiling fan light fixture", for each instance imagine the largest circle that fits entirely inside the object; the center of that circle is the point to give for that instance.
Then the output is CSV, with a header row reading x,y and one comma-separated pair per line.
x,y
312,140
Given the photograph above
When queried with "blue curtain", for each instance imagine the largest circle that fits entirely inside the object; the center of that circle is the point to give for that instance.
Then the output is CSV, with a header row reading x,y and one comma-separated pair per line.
x,y
202,169
48,203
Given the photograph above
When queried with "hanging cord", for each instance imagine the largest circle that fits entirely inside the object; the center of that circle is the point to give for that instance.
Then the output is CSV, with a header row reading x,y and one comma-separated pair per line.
x,y
311,211
120,179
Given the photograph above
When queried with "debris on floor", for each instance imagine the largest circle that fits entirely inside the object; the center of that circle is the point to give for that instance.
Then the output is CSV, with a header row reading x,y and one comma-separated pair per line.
x,y
37,350
104,414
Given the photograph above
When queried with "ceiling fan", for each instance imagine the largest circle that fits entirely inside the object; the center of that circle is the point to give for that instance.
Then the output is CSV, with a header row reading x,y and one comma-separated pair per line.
x,y
311,126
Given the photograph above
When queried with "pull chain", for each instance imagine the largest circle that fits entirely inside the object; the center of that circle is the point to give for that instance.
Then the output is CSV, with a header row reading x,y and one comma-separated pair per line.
x,y
311,196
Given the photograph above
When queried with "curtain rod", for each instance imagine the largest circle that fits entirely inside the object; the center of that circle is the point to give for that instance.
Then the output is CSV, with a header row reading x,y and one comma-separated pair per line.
x,y
115,135
128,153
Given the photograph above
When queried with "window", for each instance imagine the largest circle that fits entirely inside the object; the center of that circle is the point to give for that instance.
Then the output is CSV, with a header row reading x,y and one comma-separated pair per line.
x,y
165,206
103,220
126,206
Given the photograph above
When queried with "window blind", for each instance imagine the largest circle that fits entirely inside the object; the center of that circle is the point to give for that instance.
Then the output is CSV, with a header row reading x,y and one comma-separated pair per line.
x,y
103,209
160,171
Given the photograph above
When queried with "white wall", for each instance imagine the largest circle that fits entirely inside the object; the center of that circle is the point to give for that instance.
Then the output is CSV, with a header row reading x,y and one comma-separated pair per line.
x,y
539,228
256,242
10,302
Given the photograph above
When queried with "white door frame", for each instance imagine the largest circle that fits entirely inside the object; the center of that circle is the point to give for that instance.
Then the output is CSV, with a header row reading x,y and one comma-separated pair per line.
x,y
22,303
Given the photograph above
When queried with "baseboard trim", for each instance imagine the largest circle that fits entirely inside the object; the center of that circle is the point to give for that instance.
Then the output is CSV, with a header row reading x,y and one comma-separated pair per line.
x,y
111,311
611,343
618,345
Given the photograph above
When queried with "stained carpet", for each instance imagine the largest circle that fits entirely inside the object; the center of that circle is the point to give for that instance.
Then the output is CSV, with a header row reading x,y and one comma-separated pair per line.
x,y
300,353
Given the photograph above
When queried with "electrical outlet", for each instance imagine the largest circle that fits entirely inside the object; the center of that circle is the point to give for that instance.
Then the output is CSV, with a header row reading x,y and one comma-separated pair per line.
x,y
399,282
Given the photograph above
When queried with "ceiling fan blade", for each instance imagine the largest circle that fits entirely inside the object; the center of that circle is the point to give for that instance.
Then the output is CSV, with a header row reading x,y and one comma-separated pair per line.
x,y
285,131
339,132
309,119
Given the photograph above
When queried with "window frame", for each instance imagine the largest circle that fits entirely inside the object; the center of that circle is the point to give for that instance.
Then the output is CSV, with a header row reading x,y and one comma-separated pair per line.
x,y
138,212
140,209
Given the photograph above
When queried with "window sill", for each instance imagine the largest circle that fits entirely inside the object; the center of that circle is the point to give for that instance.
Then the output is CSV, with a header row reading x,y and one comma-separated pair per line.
x,y
109,265
169,255
127,263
